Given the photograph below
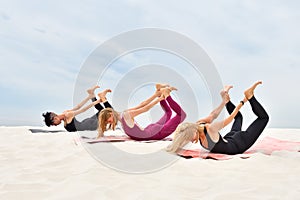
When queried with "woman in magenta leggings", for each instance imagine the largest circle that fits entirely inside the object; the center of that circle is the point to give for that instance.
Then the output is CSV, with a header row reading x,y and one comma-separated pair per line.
x,y
156,131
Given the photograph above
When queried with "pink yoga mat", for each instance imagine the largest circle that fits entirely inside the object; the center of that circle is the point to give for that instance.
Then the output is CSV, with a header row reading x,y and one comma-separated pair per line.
x,y
106,139
266,146
122,138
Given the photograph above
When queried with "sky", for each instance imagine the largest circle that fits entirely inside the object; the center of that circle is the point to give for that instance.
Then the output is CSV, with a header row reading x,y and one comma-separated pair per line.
x,y
44,45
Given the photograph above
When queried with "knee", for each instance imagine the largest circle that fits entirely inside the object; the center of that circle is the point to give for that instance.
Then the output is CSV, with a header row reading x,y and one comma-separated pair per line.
x,y
168,112
239,116
182,115
267,118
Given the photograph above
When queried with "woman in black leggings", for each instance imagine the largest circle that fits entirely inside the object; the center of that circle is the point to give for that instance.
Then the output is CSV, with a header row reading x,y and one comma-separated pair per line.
x,y
207,132
71,124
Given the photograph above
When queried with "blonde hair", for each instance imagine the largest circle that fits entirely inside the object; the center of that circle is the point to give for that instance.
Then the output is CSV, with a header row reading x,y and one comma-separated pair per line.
x,y
104,115
184,134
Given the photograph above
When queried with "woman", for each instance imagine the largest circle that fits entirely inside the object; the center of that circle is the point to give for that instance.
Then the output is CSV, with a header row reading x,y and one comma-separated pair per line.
x,y
207,132
156,131
68,116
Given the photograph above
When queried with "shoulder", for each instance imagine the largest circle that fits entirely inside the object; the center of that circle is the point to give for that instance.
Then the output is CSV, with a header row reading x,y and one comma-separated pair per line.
x,y
69,114
213,132
126,116
209,127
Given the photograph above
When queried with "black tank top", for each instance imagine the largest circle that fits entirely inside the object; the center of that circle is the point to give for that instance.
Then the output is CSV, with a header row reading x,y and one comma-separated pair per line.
x,y
229,147
71,126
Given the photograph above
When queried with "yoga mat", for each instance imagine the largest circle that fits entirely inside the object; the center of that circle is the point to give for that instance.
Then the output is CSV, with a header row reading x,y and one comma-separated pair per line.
x,y
34,130
105,139
266,146
122,138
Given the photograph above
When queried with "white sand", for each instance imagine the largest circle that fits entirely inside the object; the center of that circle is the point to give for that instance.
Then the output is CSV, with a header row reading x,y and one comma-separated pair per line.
x,y
51,166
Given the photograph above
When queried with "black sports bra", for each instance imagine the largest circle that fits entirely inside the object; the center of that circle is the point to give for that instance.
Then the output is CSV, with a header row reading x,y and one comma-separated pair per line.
x,y
71,126
210,142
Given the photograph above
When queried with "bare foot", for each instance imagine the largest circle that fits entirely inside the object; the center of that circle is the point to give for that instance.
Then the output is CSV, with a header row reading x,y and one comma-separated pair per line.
x,y
172,88
165,92
91,90
102,95
160,86
225,90
250,91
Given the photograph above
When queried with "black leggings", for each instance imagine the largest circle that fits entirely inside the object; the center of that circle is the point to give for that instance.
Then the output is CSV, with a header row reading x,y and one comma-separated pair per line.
x,y
245,139
99,107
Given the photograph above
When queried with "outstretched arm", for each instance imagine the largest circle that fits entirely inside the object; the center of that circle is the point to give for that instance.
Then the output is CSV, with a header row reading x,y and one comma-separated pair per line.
x,y
216,112
81,110
146,102
78,106
142,109
213,115
217,126
91,95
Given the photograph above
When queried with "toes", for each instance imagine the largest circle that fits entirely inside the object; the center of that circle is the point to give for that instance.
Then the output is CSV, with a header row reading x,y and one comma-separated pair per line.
x,y
160,86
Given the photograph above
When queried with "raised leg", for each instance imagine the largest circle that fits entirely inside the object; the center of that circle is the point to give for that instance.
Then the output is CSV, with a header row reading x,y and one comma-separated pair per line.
x,y
102,97
238,119
257,127
170,126
98,106
154,128
168,112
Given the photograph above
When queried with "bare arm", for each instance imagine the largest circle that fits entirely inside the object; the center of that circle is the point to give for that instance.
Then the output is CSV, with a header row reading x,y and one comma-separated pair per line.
x,y
146,102
216,112
78,106
213,115
81,110
100,134
217,126
137,111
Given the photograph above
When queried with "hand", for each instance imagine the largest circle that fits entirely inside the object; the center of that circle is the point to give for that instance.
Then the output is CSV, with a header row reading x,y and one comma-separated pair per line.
x,y
161,98
158,93
100,134
225,97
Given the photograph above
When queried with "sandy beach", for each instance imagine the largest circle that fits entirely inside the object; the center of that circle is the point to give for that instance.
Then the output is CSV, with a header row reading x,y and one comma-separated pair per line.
x,y
56,166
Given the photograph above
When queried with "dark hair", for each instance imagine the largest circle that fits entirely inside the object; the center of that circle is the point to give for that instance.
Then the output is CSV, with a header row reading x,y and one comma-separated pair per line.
x,y
48,118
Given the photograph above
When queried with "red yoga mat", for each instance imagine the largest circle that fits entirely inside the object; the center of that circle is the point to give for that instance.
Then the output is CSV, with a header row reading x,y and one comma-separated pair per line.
x,y
266,146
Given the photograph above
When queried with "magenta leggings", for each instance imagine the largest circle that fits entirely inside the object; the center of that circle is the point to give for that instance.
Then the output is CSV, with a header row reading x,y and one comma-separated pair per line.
x,y
162,128
166,125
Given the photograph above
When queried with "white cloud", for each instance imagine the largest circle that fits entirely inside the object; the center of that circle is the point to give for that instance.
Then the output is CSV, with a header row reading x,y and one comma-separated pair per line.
x,y
44,45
